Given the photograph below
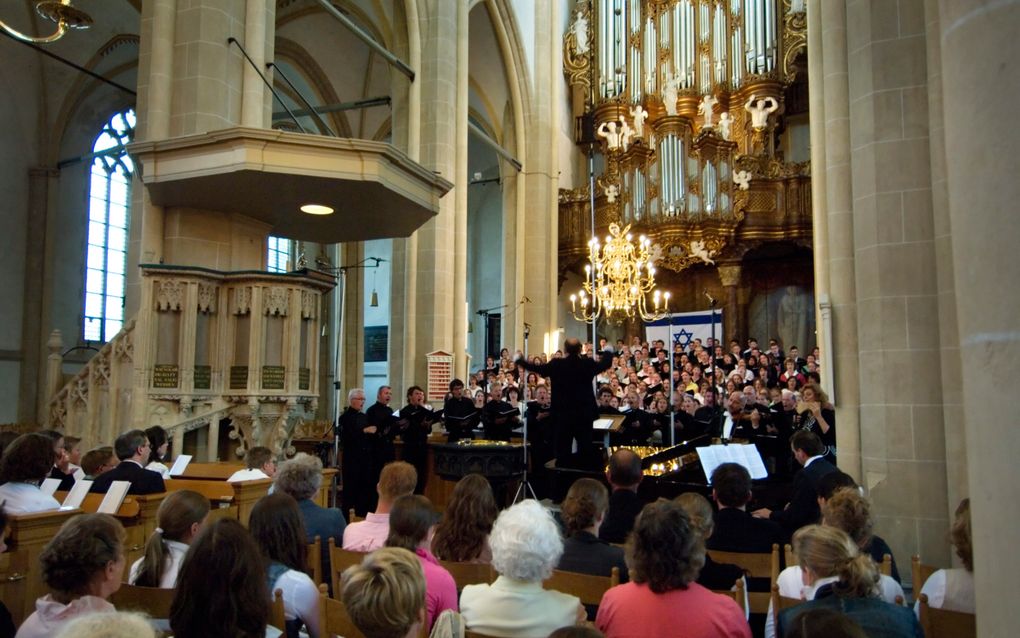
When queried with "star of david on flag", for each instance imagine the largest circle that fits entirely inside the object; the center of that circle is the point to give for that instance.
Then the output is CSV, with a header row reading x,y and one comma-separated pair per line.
x,y
684,327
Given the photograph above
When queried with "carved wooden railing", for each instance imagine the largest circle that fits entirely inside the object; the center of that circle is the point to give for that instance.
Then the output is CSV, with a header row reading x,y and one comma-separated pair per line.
x,y
206,346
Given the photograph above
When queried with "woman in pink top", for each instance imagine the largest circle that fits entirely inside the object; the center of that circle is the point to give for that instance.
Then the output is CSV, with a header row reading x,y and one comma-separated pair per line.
x,y
411,520
83,565
665,554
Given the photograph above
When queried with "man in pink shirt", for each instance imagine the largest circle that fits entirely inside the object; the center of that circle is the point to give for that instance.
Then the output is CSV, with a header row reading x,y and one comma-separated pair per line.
x,y
397,479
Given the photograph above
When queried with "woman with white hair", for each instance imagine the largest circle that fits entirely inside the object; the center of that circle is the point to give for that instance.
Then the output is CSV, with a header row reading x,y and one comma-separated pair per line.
x,y
526,547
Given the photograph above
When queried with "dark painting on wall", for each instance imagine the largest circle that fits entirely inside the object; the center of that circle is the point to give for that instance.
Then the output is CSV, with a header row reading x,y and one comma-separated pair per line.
x,y
377,340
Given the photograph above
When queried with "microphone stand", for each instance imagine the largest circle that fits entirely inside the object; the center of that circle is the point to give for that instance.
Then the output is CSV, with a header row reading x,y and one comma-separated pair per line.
x,y
525,487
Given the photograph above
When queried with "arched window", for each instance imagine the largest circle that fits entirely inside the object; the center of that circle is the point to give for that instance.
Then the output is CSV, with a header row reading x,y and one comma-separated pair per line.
x,y
109,202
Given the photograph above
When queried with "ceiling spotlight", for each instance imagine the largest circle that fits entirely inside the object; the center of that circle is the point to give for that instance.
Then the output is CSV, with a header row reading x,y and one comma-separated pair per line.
x,y
317,209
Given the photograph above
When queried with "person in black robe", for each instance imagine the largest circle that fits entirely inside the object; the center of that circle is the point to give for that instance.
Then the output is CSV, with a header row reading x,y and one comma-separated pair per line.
x,y
381,416
499,418
414,425
459,413
358,438
573,402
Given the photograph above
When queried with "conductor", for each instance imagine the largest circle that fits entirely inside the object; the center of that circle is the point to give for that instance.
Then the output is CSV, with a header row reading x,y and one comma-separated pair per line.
x,y
573,400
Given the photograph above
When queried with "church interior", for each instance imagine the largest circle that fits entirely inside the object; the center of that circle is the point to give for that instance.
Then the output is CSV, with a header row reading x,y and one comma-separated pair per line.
x,y
223,215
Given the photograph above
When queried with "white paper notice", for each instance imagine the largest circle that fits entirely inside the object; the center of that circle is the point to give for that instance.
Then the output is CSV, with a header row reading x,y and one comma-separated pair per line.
x,y
77,495
180,464
49,486
745,455
114,497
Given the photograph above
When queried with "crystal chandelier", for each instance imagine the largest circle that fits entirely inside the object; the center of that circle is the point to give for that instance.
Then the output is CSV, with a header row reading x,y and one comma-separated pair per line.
x,y
59,11
620,280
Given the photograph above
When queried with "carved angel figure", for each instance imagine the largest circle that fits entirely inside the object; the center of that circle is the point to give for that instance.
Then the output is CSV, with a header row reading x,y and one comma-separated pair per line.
x,y
639,115
611,192
669,94
705,109
580,29
608,131
742,179
626,134
760,110
725,121
699,250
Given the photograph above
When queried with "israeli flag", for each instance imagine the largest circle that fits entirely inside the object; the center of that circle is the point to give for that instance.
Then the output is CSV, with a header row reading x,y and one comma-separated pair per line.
x,y
684,327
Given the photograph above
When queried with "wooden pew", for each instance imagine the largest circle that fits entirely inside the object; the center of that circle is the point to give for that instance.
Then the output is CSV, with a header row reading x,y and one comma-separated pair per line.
x,y
219,471
220,494
130,515
20,574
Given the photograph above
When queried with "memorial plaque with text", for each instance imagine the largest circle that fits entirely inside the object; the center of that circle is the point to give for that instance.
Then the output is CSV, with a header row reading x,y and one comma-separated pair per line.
x,y
272,377
203,377
304,376
165,375
238,377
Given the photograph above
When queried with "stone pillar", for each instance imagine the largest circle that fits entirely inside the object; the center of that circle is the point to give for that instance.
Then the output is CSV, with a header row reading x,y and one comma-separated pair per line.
x,y
949,335
838,209
980,54
429,256
729,276
538,192
460,270
902,435
31,403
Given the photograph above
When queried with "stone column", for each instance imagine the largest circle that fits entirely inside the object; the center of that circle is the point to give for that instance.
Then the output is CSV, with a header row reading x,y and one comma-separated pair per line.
x,y
949,335
729,276
32,403
902,435
980,54
840,223
460,270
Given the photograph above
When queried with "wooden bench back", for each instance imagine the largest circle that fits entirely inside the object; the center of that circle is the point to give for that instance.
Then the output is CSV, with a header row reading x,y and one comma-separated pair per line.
x,y
588,588
20,574
942,623
152,601
339,560
756,565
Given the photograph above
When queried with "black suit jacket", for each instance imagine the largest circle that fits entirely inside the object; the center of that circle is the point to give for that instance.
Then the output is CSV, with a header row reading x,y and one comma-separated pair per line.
x,y
738,531
624,506
585,554
571,377
803,508
142,481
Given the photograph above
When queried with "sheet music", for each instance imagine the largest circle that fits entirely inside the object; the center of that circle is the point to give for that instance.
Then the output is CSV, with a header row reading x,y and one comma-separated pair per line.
x,y
746,455
77,495
114,497
79,474
602,424
180,464
49,486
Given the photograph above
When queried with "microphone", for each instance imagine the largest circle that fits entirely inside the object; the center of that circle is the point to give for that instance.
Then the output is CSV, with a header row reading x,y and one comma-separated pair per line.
x,y
711,299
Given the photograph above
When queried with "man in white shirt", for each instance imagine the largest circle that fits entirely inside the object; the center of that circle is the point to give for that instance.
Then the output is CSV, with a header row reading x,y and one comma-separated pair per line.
x,y
397,479
261,465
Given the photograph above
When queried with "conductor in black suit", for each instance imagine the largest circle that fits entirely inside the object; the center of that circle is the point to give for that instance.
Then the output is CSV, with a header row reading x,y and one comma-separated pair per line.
x,y
573,400
132,448
803,508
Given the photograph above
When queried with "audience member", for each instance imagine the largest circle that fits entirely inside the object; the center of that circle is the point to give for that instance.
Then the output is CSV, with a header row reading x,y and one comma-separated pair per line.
x,y
526,547
624,476
113,624
132,448
463,533
180,517
953,589
82,566
411,520
6,621
97,461
158,445
818,416
24,465
385,594
825,622
259,464
713,575
583,512
803,506
665,554
851,512
275,524
396,479
735,529
844,579
6,438
60,469
221,588
301,478
72,456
